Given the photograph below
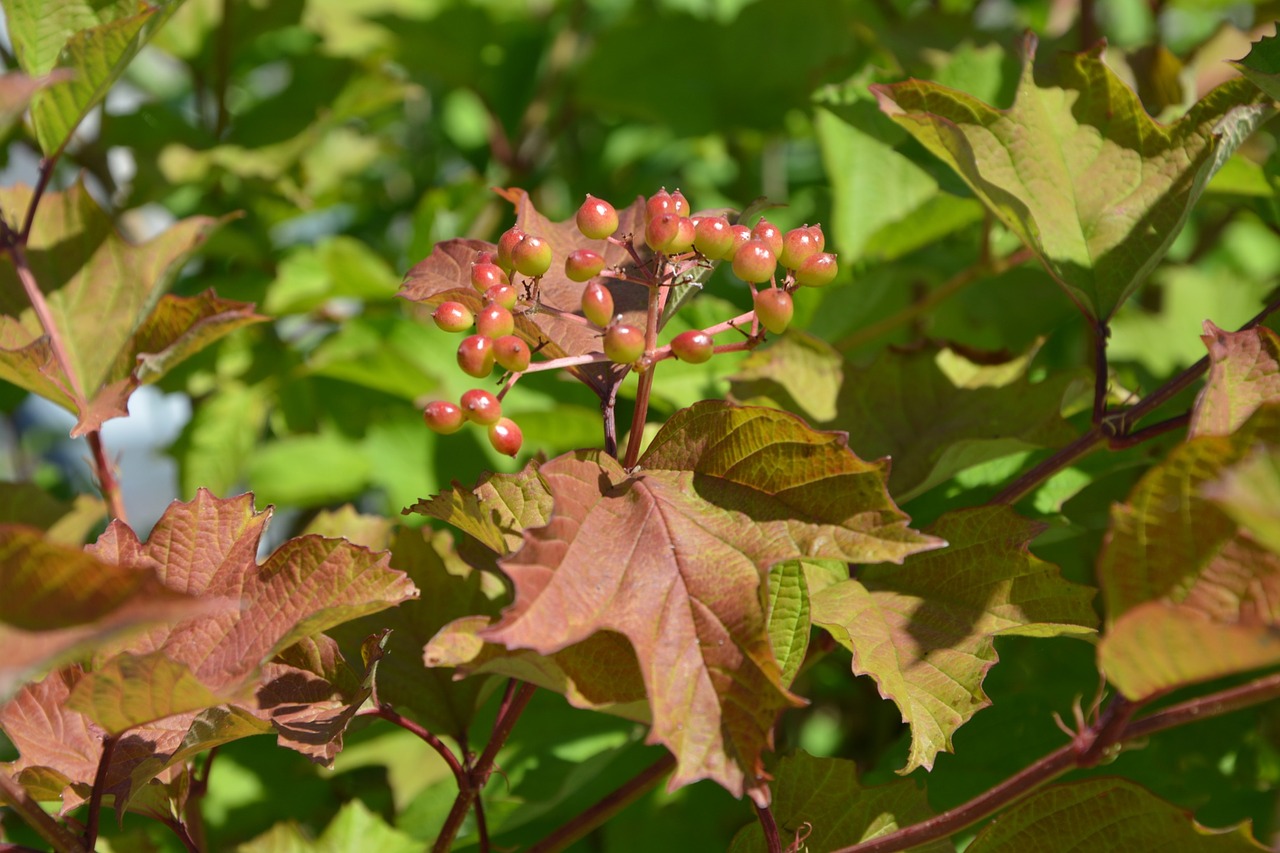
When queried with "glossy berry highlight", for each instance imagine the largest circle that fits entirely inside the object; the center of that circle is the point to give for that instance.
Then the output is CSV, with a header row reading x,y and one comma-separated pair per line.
x,y
597,304
623,344
817,271
443,417
694,346
531,256
713,237
485,275
475,356
494,321
453,317
798,245
754,262
774,309
506,243
512,353
480,406
583,265
506,437
596,219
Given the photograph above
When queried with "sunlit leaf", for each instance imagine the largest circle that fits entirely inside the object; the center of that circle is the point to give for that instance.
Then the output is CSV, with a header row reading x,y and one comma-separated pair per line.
x,y
497,511
1244,373
354,829
1078,170
787,615
925,632
16,92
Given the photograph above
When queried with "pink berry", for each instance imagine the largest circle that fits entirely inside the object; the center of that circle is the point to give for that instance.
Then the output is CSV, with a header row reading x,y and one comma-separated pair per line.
x,y
741,235
486,275
658,204
453,317
597,218
683,241
597,304
661,231
506,437
583,265
531,256
774,309
818,237
443,417
494,321
754,262
480,406
818,271
766,232
623,344
713,236
503,294
506,243
694,346
679,204
475,356
511,353
798,245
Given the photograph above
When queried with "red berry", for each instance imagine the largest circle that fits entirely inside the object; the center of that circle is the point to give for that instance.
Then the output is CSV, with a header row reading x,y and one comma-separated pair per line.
x,y
487,275
623,344
443,417
511,353
494,321
475,356
679,204
766,232
714,237
741,235
453,317
506,243
503,294
694,346
583,265
597,303
531,256
754,262
661,231
818,271
818,237
597,218
506,437
685,233
480,406
798,245
774,309
658,204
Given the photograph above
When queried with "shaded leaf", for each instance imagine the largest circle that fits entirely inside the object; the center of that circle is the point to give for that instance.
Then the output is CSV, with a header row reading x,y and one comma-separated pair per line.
x,y
1244,373
1262,65
1039,166
821,802
103,294
497,511
672,556
905,406
62,523
925,632
1075,815
354,829
1249,492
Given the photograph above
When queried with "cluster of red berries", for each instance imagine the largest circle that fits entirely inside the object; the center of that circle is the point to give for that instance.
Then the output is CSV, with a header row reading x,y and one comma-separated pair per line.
x,y
678,240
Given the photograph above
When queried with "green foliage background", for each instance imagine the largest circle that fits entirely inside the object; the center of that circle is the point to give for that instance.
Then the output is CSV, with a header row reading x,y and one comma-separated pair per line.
x,y
345,137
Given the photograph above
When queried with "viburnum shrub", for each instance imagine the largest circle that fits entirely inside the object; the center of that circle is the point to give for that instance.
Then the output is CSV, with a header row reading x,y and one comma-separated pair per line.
x,y
778,553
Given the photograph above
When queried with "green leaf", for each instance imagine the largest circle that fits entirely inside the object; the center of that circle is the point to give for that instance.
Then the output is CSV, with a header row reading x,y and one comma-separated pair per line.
x,y
673,555
339,266
16,92
1076,815
925,632
96,42
787,614
1244,373
129,690
821,802
905,406
221,438
497,511
1249,492
1262,65
354,829
286,470
1078,170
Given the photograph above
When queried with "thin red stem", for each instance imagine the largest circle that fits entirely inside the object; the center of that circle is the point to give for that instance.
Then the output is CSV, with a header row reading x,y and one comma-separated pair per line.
x,y
386,712
57,835
107,482
99,788
772,841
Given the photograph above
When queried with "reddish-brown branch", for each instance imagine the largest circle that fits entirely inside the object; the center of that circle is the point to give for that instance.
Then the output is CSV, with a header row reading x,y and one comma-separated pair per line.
x,y
386,712
769,826
99,788
106,473
606,807
57,835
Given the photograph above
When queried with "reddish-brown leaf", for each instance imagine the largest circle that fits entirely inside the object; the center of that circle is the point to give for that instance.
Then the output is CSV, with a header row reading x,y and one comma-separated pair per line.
x,y
1244,373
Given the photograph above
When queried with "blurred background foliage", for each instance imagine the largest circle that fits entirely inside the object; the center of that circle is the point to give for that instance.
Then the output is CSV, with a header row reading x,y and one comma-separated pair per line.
x,y
346,137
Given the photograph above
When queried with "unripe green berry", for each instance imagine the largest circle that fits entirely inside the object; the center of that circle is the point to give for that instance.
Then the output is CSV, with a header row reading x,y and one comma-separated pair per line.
x,y
531,256
766,232
798,245
597,219
503,294
494,321
713,237
511,353
774,309
583,265
658,204
694,346
453,317
754,262
683,241
506,243
443,417
623,344
480,406
597,304
485,275
506,437
818,271
475,356
661,231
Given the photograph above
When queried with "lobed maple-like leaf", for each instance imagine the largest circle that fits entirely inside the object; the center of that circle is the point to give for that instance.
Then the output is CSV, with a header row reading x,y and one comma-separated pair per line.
x,y
1244,373
1107,813
445,275
1078,170
673,556
105,297
821,802
925,632
263,660
1189,595
1262,65
905,406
